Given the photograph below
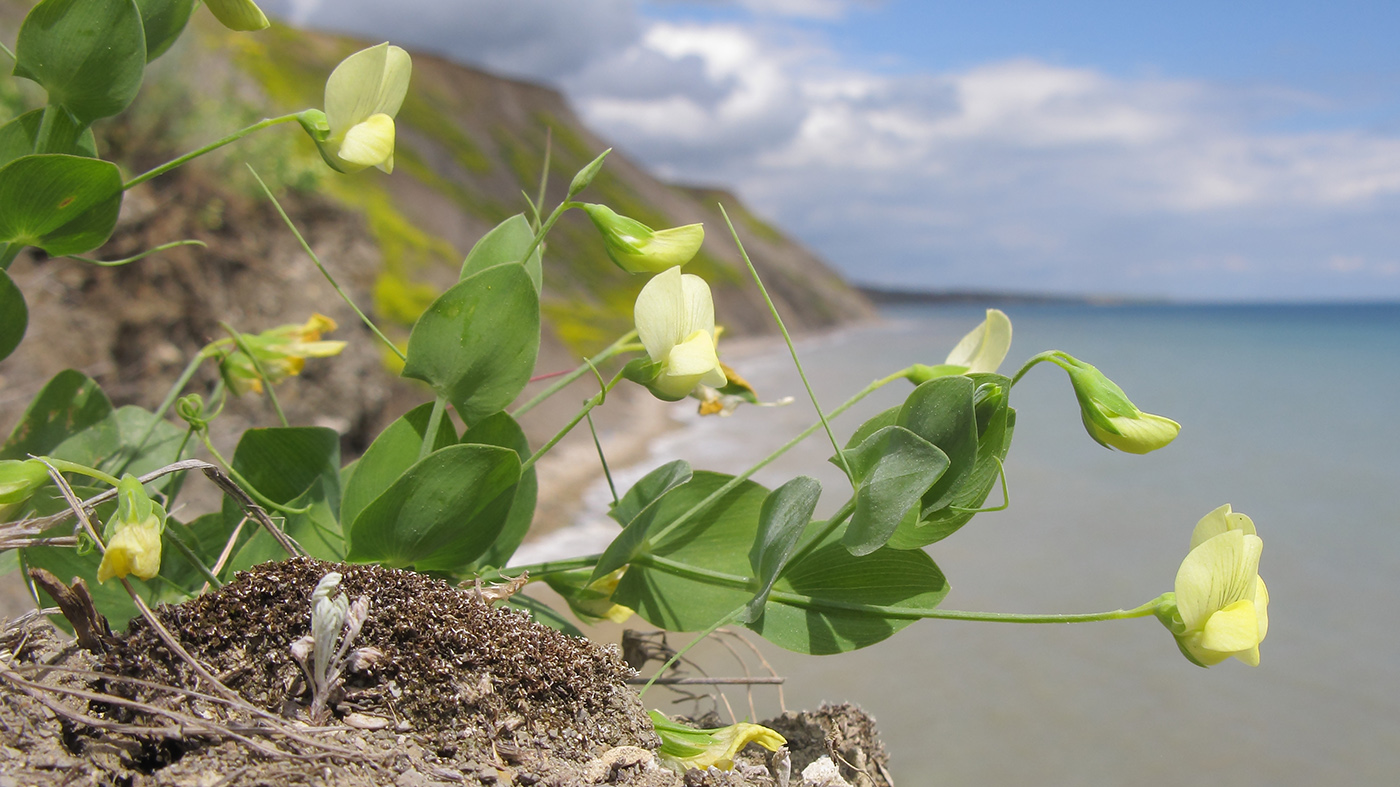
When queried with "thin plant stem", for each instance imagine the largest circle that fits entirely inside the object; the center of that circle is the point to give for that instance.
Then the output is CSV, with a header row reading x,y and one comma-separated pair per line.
x,y
592,402
840,457
234,137
603,460
1048,355
7,51
544,178
546,227
727,619
142,255
74,467
434,422
247,487
394,348
619,346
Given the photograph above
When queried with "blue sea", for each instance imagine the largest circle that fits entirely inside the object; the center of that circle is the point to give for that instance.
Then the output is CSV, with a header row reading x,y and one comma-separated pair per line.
x,y
1288,412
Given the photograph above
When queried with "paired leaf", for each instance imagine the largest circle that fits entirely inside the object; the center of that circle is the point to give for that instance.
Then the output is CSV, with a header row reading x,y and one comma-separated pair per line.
x,y
440,515
88,54
390,455
506,244
163,22
14,315
831,601
18,136
786,512
502,430
649,489
892,470
62,204
941,411
476,344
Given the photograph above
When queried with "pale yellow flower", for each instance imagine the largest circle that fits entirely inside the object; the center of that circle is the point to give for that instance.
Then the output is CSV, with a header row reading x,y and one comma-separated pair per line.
x,y
1221,603
280,351
675,317
133,534
637,248
363,94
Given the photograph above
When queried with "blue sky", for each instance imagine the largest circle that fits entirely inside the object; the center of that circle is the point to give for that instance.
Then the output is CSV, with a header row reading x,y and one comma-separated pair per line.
x,y
1195,150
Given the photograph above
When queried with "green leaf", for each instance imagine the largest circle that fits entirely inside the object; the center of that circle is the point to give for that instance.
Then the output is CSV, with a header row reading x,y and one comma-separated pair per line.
x,y
390,455
502,430
816,605
88,54
712,542
111,445
282,463
476,344
997,422
864,431
17,137
163,22
892,470
506,244
62,204
442,514
650,488
14,315
785,514
67,405
941,411
316,530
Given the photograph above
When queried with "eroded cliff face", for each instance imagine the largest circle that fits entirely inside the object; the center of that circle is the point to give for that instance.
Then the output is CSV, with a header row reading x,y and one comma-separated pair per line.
x,y
468,144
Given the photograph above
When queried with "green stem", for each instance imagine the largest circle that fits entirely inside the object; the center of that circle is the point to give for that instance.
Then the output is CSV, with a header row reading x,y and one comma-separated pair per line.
x,y
588,406
678,654
252,491
830,525
906,613
73,467
621,345
602,459
257,367
142,255
789,445
306,247
546,227
540,570
234,137
7,51
840,457
194,560
46,121
434,422
1048,355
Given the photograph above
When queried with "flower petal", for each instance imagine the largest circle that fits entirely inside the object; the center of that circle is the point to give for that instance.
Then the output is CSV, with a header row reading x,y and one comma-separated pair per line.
x,y
1222,570
370,142
660,314
371,81
1232,629
1219,521
984,348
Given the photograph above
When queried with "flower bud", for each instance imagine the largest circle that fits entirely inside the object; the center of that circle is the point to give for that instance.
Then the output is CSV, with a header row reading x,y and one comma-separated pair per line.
x,y
20,479
1109,417
281,352
133,534
637,248
586,175
241,15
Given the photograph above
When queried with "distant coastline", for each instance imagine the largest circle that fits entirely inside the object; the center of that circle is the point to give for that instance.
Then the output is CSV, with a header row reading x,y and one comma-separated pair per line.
x,y
891,296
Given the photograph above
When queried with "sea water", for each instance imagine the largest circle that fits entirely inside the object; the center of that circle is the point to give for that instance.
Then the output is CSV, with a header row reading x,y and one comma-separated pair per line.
x,y
1288,412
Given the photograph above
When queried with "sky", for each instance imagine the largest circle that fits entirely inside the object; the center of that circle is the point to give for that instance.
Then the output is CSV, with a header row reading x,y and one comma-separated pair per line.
x,y
1188,150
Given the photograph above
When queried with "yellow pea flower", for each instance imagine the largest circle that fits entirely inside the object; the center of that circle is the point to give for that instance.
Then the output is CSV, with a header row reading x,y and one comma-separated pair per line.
x,y
637,248
363,94
981,350
683,748
280,351
1220,607
132,534
1109,417
675,316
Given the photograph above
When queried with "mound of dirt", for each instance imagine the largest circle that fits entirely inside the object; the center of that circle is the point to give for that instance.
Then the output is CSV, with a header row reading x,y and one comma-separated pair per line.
x,y
462,693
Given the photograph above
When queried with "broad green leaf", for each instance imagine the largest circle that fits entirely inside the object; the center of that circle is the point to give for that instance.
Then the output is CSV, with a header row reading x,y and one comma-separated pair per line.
x,y
651,487
111,445
476,344
163,22
390,455
502,430
816,605
865,430
88,54
17,136
997,422
14,315
893,469
785,514
62,204
941,411
505,245
442,514
712,542
283,462
68,404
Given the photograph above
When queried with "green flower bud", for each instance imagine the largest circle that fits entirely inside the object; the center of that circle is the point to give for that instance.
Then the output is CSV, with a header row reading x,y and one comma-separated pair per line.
x,y
132,534
242,15
1109,417
20,479
637,248
586,175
